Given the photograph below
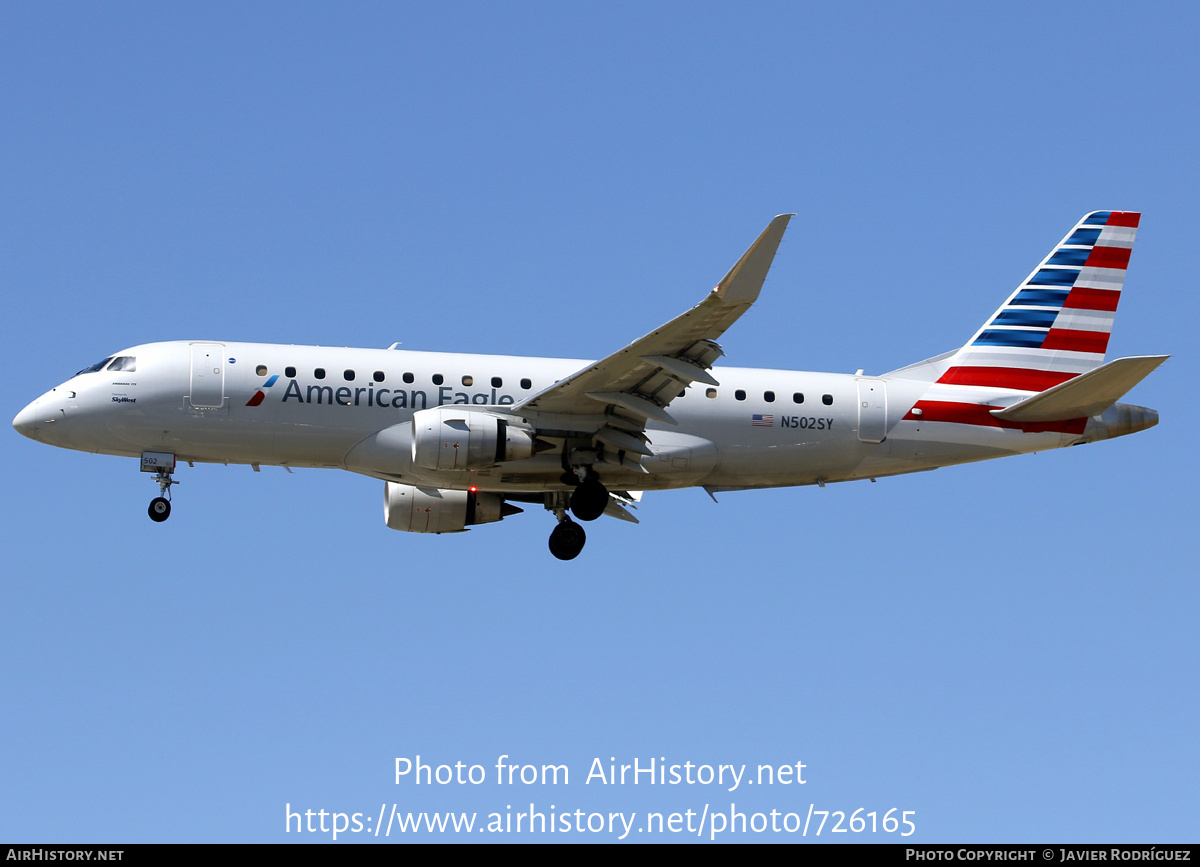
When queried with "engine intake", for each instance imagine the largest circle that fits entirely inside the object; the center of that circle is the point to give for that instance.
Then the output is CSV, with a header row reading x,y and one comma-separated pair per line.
x,y
445,438
439,510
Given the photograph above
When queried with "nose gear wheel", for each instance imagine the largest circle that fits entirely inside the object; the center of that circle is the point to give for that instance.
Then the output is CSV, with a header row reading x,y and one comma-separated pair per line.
x,y
160,507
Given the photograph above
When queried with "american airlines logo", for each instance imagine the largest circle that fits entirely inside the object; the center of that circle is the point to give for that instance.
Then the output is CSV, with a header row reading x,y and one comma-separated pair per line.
x,y
260,395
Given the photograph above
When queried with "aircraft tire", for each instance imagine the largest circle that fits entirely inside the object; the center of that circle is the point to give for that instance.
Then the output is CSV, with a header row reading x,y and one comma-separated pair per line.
x,y
589,500
566,540
160,509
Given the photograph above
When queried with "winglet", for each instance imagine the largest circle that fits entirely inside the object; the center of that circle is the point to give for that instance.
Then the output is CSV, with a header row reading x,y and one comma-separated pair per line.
x,y
745,279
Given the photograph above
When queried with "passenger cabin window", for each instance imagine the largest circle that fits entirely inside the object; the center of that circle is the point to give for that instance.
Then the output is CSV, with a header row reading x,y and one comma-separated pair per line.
x,y
827,399
797,398
261,370
408,377
377,376
348,375
468,380
438,379
289,372
739,395
97,366
710,392
526,384
769,396
319,373
497,382
126,363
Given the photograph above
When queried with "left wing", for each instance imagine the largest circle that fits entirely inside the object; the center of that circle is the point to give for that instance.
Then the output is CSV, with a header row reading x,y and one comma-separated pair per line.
x,y
616,396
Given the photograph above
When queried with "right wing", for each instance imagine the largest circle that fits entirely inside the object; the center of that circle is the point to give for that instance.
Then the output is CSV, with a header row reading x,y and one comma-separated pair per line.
x,y
615,397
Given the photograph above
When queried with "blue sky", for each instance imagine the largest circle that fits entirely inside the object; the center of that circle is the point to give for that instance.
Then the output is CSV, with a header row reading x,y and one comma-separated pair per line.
x,y
1008,649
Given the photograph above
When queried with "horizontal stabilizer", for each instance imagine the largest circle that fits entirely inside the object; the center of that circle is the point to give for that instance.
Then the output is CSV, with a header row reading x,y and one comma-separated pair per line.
x,y
1086,395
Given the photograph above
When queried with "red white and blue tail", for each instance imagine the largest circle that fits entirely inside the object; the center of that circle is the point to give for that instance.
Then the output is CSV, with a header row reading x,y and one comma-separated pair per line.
x,y
1037,365
1056,325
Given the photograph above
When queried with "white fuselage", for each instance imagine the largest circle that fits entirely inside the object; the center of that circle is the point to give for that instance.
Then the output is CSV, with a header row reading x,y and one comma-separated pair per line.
x,y
352,409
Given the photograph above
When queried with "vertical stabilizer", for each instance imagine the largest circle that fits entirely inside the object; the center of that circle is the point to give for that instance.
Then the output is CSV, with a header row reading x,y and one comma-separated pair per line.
x,y
1056,324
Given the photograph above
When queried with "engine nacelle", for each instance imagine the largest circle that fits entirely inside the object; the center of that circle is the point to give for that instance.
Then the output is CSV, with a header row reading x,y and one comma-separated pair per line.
x,y
438,510
448,438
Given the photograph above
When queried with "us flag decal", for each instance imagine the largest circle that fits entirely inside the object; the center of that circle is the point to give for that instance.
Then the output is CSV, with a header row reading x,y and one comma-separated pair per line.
x,y
757,420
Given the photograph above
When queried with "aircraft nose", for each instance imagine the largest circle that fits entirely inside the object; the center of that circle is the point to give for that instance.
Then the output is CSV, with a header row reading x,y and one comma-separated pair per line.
x,y
26,422
34,419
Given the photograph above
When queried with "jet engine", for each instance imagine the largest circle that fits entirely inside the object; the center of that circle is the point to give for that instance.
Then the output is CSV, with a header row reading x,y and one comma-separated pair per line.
x,y
446,438
438,510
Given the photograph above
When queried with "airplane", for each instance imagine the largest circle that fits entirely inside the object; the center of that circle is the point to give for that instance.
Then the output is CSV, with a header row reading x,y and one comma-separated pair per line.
x,y
459,439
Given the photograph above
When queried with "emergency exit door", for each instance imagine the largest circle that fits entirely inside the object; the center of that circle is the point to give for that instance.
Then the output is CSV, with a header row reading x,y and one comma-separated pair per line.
x,y
872,410
208,375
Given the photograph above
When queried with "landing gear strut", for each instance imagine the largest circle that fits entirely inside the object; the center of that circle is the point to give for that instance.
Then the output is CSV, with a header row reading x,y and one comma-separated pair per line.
x,y
162,464
160,507
587,502
568,538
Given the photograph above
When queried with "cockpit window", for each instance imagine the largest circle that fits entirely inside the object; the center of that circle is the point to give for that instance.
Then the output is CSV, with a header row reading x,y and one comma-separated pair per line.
x,y
126,363
99,365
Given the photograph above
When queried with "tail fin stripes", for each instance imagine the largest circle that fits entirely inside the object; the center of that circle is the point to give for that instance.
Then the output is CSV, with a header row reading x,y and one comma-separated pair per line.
x,y
1052,329
1056,324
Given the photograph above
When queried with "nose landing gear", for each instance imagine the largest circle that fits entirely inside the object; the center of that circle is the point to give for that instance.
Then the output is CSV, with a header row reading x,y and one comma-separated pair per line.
x,y
160,509
161,465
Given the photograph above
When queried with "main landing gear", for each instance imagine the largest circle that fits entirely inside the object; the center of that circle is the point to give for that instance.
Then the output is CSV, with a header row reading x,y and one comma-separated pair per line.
x,y
589,499
587,502
567,539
